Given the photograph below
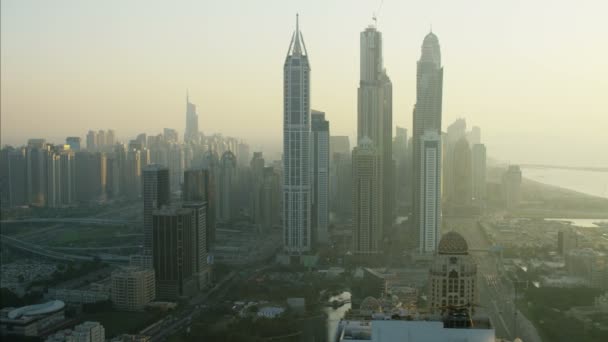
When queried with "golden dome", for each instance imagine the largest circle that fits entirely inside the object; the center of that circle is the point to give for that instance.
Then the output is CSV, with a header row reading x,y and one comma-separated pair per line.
x,y
453,243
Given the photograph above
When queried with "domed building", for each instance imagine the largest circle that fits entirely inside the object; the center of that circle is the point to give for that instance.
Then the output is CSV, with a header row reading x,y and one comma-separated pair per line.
x,y
453,275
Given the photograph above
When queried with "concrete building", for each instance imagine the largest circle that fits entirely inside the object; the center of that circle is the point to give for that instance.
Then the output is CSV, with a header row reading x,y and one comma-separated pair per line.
x,y
174,252
296,148
479,172
339,144
90,175
367,199
91,141
155,194
36,159
320,177
590,265
427,113
453,276
132,288
429,215
375,114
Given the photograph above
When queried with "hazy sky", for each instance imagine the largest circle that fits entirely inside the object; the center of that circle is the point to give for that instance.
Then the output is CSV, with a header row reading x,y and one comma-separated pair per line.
x,y
533,74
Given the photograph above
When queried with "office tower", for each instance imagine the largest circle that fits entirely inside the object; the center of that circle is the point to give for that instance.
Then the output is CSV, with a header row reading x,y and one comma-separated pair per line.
x,y
296,147
156,194
228,181
339,144
173,250
479,172
91,140
401,168
142,139
375,114
462,192
132,288
170,135
110,138
191,134
36,157
427,112
101,139
202,269
68,176
74,143
567,240
511,182
430,192
199,187
133,173
320,177
453,276
367,198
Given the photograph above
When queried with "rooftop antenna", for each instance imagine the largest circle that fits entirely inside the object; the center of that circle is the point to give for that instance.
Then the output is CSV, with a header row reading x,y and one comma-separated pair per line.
x,y
374,16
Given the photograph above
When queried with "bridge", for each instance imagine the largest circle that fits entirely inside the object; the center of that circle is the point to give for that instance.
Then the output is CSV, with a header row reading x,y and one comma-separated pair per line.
x,y
83,220
45,252
564,167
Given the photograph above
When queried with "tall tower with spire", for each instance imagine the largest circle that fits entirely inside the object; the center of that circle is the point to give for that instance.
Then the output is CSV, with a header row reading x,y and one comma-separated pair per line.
x,y
427,122
191,133
375,115
296,147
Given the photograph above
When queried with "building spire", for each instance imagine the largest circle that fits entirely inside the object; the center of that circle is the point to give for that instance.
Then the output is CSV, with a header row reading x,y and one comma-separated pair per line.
x,y
187,96
297,49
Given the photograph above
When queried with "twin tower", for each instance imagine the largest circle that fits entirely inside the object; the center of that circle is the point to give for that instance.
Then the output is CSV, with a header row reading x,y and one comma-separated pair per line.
x,y
373,165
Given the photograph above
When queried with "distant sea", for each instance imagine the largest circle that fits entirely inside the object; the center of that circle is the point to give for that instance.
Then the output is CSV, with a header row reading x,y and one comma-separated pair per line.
x,y
587,182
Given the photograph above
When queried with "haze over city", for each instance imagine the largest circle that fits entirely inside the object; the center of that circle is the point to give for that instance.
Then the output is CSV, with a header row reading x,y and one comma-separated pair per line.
x,y
68,67
296,171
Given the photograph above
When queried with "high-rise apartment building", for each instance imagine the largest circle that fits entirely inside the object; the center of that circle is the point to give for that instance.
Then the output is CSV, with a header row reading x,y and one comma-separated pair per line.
x,y
320,177
427,114
375,114
74,143
155,194
202,269
91,141
296,147
430,192
367,199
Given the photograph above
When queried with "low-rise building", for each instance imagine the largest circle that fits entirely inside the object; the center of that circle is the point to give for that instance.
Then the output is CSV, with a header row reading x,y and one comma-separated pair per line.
x,y
31,320
132,288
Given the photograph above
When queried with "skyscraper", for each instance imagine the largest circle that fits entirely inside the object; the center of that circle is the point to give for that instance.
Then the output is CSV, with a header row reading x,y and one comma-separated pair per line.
x,y
91,140
375,113
367,192
296,147
479,172
320,176
430,192
511,182
174,251
228,174
156,194
199,187
427,115
462,192
191,133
